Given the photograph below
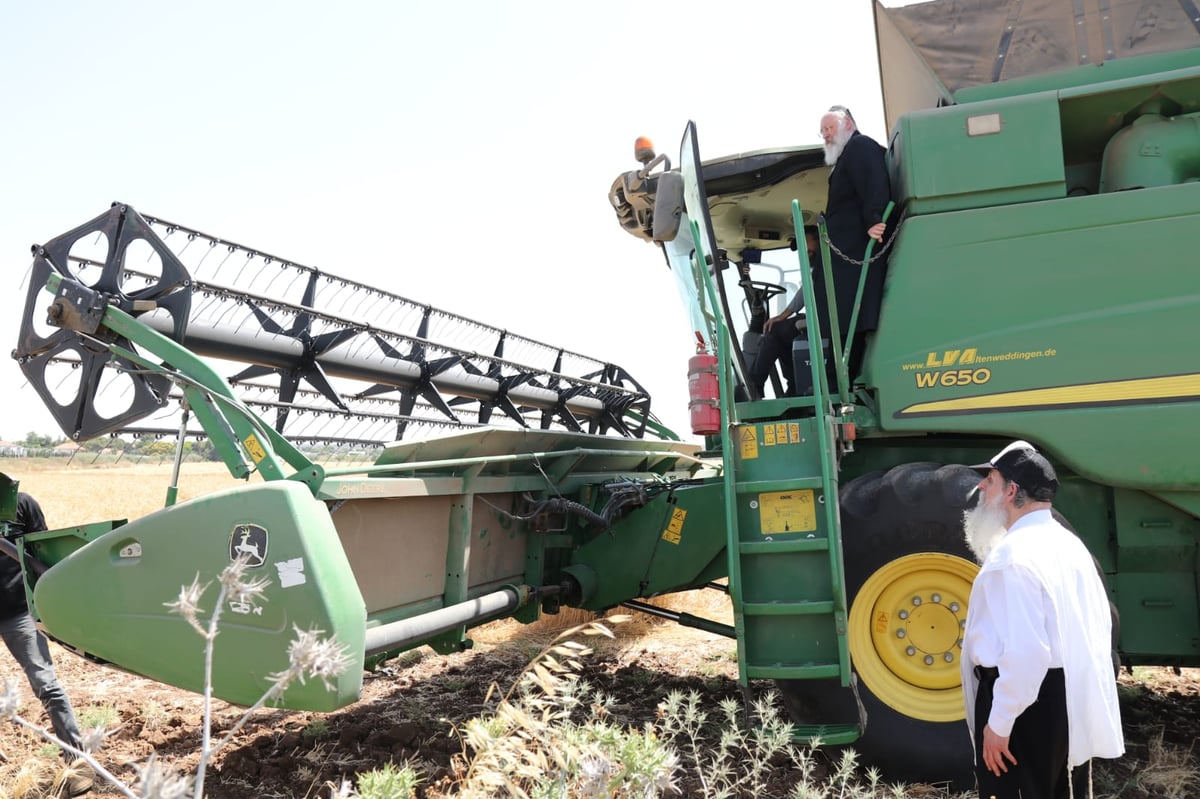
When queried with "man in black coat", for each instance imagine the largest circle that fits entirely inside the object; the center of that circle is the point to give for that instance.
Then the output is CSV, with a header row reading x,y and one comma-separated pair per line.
x,y
29,646
859,191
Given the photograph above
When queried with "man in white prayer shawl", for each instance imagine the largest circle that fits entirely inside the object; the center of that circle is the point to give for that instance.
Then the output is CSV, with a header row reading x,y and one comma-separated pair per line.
x,y
1037,668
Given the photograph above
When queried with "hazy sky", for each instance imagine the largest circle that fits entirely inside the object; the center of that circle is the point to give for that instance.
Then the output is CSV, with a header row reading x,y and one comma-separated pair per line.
x,y
458,154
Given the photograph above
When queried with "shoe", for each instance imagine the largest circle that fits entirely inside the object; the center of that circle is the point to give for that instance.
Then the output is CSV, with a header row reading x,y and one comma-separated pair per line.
x,y
77,779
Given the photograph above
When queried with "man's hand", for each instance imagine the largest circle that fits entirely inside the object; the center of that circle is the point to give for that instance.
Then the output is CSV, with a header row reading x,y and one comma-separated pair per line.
x,y
774,320
876,231
995,749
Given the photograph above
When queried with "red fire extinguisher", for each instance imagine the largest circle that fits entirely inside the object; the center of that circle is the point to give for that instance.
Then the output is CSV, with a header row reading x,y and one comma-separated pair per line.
x,y
704,393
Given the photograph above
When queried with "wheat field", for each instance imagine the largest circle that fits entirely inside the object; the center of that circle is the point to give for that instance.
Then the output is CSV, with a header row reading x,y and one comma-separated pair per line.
x,y
79,493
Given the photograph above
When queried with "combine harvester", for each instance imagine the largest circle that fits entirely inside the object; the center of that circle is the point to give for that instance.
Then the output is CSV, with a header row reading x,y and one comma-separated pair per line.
x,y
1041,285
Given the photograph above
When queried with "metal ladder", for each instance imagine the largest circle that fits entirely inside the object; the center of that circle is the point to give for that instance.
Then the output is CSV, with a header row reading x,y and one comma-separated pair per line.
x,y
786,575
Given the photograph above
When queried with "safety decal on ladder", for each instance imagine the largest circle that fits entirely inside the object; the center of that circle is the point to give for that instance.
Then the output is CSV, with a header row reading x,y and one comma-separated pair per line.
x,y
749,443
787,512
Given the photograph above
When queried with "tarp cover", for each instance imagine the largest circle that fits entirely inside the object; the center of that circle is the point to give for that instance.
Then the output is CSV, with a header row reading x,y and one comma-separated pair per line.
x,y
970,42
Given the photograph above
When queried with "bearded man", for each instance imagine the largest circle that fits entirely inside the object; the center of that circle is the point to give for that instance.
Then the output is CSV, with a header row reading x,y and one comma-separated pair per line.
x,y
1037,668
859,191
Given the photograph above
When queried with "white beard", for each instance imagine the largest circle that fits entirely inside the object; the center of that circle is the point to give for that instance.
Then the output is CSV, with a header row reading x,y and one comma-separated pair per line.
x,y
833,149
984,526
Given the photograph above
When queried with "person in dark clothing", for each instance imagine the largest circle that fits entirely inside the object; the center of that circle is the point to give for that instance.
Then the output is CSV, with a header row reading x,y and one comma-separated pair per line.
x,y
859,191
782,329
29,646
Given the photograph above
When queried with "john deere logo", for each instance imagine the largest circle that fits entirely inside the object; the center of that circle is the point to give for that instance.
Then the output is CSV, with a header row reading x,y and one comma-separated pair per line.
x,y
249,541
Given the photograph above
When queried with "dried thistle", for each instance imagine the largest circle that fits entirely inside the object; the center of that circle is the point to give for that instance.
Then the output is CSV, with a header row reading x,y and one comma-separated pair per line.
x,y
188,604
10,699
159,782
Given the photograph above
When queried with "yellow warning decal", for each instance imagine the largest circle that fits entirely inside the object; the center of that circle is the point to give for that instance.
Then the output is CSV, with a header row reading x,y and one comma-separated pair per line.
x,y
748,442
781,432
769,435
787,512
255,449
674,532
794,433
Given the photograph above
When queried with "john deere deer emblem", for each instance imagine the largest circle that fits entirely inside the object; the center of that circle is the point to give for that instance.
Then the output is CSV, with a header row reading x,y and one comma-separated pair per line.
x,y
249,541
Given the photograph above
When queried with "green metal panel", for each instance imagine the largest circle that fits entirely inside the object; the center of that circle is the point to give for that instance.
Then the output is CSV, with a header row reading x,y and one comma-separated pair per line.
x,y
1156,581
1135,68
108,597
677,541
942,164
1049,321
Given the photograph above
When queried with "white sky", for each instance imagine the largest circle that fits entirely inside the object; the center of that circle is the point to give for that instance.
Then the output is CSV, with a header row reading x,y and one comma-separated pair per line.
x,y
458,154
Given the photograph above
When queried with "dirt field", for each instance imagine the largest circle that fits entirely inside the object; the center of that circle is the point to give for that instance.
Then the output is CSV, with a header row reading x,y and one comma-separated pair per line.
x,y
408,707
406,712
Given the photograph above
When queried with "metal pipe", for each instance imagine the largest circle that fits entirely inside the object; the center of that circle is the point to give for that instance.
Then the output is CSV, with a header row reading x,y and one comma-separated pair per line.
x,y
516,458
398,634
682,619
9,548
180,438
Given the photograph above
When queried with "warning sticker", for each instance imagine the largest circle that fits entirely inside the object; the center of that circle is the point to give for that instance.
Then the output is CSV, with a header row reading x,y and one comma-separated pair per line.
x,y
769,436
748,443
254,448
674,532
787,512
794,433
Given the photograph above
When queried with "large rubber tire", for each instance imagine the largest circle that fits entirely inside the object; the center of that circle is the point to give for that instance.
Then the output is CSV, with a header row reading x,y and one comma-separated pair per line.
x,y
903,542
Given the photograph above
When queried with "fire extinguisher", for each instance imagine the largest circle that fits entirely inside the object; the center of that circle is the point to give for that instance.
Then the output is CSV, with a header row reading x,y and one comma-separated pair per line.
x,y
704,393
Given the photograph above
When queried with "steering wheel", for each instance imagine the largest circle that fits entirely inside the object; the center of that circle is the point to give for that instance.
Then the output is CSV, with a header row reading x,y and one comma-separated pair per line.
x,y
767,291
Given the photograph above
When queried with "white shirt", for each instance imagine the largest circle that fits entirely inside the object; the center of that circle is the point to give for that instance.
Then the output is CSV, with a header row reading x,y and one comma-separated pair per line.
x,y
1039,604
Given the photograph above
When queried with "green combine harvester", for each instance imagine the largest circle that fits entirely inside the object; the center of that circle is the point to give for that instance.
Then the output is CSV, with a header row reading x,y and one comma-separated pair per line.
x,y
1041,284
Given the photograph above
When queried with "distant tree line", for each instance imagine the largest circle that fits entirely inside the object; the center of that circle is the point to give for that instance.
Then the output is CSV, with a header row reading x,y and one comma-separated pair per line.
x,y
39,445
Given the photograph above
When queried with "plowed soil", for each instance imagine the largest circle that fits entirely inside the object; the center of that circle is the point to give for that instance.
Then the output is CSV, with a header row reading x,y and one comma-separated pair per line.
x,y
408,707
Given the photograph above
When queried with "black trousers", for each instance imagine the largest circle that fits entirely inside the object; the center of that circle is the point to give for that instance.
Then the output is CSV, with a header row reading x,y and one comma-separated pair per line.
x,y
1038,742
775,345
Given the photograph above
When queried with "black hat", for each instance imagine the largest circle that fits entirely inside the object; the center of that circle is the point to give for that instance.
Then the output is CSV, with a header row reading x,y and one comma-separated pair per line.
x,y
1020,463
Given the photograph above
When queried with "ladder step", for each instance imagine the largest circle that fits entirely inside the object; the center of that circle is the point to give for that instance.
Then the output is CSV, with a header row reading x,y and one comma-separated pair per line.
x,y
832,734
788,484
776,547
805,608
783,671
773,408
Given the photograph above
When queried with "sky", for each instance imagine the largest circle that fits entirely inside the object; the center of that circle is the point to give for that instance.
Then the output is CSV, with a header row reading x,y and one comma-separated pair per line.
x,y
458,154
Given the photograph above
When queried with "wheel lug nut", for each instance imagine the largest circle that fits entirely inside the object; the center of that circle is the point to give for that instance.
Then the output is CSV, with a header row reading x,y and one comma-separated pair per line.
x,y
900,633
954,607
912,650
929,660
949,657
937,598
916,600
903,614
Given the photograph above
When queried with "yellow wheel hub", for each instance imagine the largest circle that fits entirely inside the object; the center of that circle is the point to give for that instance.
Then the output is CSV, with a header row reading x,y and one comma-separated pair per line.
x,y
906,630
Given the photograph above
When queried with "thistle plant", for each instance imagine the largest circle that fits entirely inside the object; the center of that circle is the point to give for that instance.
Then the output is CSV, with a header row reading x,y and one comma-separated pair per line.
x,y
551,735
310,656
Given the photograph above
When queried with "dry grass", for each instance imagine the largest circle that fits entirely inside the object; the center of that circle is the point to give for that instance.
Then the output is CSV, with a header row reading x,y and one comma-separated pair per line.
x,y
80,494
1170,771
